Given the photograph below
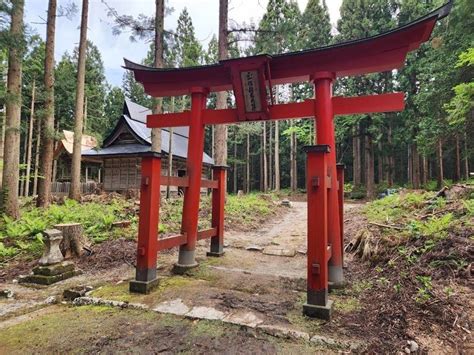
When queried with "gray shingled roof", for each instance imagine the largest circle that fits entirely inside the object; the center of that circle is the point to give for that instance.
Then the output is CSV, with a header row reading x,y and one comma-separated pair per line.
x,y
134,116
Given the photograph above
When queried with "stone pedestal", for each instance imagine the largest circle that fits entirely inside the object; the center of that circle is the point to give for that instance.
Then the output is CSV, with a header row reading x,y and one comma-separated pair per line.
x,y
51,266
52,254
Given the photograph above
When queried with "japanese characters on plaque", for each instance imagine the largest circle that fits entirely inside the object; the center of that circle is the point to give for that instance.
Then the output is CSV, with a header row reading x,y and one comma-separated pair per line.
x,y
251,91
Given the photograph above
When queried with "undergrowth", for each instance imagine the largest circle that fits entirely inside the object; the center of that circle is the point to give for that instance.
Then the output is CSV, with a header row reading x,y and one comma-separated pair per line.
x,y
97,218
420,250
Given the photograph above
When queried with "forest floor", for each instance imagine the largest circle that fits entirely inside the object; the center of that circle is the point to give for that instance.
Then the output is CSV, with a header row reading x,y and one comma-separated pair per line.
x,y
250,300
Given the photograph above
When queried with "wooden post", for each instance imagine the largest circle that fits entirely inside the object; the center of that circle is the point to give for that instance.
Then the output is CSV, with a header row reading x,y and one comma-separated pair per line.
x,y
324,114
340,190
318,185
218,202
147,248
192,195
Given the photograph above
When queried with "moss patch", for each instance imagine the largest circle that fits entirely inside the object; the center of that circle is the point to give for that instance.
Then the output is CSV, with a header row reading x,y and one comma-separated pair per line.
x,y
100,329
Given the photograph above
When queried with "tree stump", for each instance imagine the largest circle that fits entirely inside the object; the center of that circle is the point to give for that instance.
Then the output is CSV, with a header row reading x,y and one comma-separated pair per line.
x,y
74,240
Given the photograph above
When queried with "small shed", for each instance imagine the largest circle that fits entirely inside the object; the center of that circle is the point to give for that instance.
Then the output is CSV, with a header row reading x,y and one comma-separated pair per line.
x,y
90,168
120,154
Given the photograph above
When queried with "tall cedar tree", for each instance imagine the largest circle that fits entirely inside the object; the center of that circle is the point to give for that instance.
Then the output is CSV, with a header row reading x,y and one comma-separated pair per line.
x,y
47,123
220,139
11,159
75,192
159,49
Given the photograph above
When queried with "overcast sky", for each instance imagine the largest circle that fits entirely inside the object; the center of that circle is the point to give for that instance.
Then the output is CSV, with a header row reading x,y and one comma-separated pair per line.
x,y
204,14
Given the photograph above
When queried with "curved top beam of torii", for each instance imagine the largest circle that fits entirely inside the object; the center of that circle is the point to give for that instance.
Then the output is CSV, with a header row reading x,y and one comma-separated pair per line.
x,y
382,52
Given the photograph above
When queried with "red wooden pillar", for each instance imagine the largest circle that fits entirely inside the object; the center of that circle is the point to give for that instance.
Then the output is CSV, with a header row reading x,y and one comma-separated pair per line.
x,y
318,186
218,202
147,249
192,193
325,135
340,180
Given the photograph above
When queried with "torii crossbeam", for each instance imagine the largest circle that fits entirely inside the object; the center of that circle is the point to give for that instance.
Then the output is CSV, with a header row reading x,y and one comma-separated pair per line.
x,y
251,80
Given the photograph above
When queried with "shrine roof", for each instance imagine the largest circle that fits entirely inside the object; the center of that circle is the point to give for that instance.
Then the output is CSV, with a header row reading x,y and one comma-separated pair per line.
x,y
382,52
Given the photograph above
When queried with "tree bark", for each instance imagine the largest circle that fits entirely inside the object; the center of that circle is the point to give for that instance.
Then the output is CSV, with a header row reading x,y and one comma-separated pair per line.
x,y
294,167
409,165
220,142
235,161
11,159
277,148
247,170
380,161
357,165
265,163
391,158
416,167
424,175
74,241
75,192
159,51
22,164
369,166
271,177
170,150
46,130
37,156
2,129
30,140
466,157
439,156
457,175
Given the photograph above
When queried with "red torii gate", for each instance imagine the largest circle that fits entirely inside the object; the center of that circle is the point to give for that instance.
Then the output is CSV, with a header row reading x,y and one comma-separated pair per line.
x,y
251,80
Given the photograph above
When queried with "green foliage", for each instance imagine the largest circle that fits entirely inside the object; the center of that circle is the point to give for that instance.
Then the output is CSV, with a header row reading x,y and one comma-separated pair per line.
x,y
435,227
424,290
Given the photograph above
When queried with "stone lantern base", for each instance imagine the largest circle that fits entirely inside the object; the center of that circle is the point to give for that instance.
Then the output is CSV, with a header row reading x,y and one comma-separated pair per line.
x,y
49,274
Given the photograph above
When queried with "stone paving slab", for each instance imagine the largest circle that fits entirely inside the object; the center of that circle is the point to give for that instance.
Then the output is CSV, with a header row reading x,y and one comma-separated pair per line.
x,y
279,251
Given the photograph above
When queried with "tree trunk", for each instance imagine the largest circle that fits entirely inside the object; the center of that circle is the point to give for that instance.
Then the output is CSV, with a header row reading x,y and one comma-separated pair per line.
x,y
247,170
391,158
369,166
271,177
220,148
357,165
277,149
85,115
37,156
75,192
30,141
159,51
416,167
409,166
46,130
2,129
439,156
380,159
170,150
22,164
466,157
424,175
293,163
457,175
73,241
11,159
235,161
265,163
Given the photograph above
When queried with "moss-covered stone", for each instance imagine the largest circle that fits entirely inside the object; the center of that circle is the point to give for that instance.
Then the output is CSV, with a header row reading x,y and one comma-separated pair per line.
x,y
55,269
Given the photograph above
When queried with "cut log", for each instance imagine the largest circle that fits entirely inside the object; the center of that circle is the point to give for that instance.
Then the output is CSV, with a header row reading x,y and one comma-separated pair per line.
x,y
74,240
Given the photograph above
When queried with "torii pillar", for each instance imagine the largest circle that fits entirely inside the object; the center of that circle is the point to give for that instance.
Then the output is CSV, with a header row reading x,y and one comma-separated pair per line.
x,y
325,135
